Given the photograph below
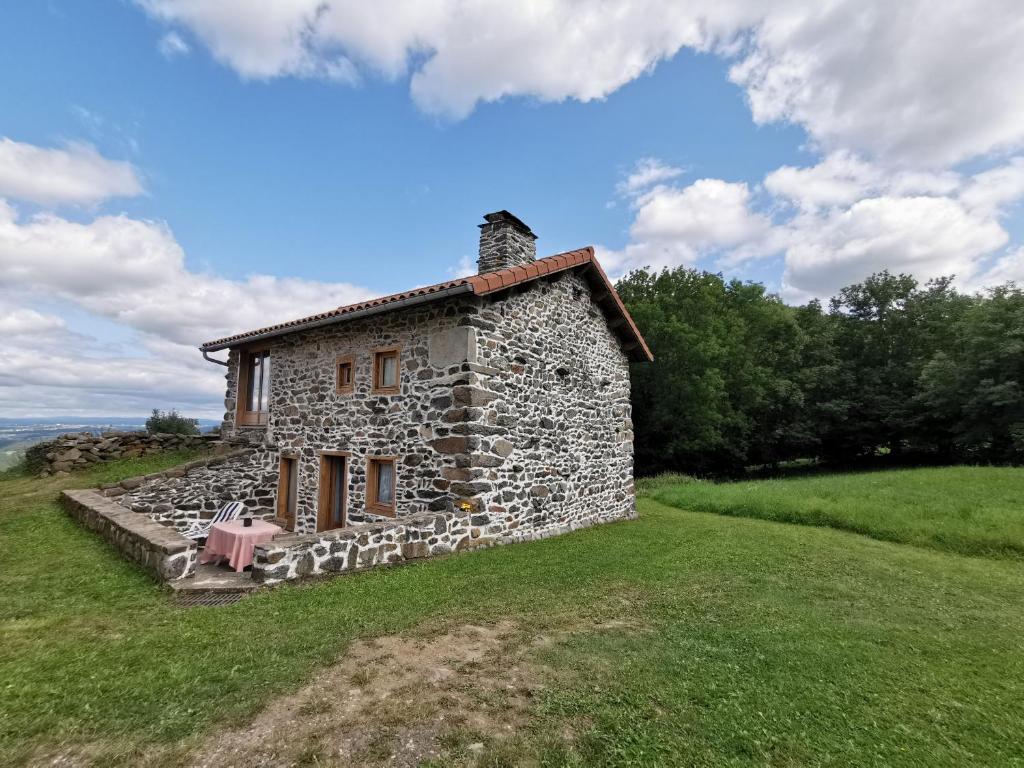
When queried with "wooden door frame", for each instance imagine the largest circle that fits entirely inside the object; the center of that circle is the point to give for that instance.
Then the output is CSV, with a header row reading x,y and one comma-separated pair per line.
x,y
323,499
283,492
243,416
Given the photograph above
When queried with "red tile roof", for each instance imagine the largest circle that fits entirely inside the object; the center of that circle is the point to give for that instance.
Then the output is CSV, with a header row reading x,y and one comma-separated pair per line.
x,y
480,285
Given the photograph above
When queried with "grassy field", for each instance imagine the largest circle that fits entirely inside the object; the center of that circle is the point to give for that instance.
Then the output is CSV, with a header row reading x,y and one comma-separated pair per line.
x,y
681,639
969,510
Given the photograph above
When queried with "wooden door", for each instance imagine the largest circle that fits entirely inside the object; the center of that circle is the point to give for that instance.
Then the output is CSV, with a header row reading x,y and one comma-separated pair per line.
x,y
288,491
333,491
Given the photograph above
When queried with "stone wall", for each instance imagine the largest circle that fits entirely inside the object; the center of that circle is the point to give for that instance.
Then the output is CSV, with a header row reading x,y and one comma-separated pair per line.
x,y
552,433
164,553
370,545
516,406
308,415
77,450
195,491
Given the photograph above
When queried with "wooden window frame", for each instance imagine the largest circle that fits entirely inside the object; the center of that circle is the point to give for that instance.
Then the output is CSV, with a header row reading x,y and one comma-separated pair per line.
x,y
345,389
323,496
290,460
243,416
377,356
372,504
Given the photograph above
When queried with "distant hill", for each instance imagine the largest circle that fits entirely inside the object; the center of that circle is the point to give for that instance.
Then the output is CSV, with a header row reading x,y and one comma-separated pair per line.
x,y
18,434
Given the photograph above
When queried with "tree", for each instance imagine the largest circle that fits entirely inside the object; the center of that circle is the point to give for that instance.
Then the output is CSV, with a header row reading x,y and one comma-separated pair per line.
x,y
171,422
717,393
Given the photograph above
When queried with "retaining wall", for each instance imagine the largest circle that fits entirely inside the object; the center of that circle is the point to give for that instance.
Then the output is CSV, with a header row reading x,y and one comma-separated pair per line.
x,y
77,450
194,491
160,550
369,545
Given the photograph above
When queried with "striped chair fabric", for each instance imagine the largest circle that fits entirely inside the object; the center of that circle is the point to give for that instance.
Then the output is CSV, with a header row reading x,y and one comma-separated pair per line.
x,y
200,530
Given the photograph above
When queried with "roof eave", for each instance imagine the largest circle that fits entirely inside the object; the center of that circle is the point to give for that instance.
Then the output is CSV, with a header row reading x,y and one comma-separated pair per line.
x,y
390,306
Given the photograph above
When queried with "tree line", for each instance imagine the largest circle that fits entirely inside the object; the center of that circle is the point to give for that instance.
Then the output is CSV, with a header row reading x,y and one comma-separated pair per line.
x,y
891,368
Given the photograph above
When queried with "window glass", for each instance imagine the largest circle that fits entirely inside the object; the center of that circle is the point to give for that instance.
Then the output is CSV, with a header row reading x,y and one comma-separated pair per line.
x,y
344,374
389,370
255,400
254,382
265,382
385,482
337,492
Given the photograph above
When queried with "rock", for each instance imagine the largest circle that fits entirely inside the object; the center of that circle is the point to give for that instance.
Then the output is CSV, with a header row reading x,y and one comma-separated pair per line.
x,y
415,549
451,445
503,447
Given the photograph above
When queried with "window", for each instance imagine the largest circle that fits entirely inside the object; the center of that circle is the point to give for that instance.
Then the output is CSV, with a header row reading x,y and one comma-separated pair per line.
x,y
380,487
345,381
254,384
385,371
333,490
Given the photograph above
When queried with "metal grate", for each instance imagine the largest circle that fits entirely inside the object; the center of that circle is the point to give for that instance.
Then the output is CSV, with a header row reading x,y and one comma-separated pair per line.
x,y
209,599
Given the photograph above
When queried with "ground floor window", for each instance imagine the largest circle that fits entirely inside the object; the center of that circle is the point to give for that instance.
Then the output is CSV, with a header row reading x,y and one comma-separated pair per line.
x,y
380,492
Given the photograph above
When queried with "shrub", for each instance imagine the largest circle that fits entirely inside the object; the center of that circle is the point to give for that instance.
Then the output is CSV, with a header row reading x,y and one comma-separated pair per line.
x,y
171,422
35,456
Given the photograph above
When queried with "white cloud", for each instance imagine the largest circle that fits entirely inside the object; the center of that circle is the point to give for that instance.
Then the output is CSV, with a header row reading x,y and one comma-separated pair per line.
x,y
75,174
281,39
1006,268
132,273
648,172
675,225
842,178
172,44
833,223
919,83
23,322
924,236
467,266
916,82
993,190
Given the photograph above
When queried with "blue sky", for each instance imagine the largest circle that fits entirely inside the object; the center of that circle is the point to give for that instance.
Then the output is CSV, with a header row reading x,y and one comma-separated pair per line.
x,y
160,154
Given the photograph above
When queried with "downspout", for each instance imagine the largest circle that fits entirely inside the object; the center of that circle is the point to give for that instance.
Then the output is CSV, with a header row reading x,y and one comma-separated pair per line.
x,y
206,356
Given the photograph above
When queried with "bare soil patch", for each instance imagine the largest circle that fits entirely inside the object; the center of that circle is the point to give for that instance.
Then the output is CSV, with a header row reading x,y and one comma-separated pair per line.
x,y
395,701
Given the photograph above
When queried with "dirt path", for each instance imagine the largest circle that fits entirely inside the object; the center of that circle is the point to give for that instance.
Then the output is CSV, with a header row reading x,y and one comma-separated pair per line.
x,y
395,701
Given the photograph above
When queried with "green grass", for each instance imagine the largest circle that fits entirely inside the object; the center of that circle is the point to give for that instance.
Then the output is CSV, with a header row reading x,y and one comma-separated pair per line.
x,y
745,642
968,510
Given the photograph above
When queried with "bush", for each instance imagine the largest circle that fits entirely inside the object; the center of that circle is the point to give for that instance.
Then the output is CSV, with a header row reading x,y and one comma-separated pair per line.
x,y
171,422
35,456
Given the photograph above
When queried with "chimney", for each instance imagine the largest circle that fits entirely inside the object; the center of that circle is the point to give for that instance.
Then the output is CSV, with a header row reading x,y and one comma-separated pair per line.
x,y
505,242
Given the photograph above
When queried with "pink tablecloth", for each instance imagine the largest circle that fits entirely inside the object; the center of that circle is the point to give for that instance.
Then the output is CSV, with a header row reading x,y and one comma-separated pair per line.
x,y
236,542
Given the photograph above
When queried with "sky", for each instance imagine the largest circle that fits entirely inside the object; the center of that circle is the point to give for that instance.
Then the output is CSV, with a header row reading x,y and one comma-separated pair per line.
x,y
173,171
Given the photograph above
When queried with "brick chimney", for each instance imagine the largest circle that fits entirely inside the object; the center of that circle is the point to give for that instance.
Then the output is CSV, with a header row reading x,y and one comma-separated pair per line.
x,y
505,242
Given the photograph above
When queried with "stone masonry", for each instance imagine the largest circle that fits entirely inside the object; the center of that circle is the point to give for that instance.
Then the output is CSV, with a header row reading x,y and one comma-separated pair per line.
x,y
511,420
164,553
77,450
505,242
518,407
195,491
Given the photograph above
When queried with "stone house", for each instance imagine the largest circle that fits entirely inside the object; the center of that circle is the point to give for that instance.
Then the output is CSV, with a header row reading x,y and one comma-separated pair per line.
x,y
487,409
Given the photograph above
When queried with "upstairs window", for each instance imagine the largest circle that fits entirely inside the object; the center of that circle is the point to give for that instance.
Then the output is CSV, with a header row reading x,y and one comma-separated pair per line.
x,y
345,381
385,371
254,385
380,486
